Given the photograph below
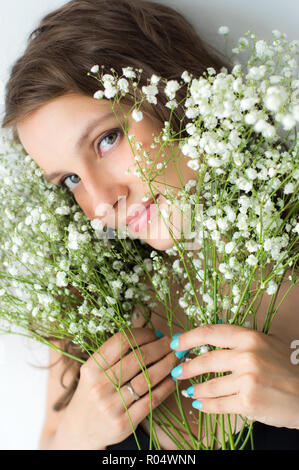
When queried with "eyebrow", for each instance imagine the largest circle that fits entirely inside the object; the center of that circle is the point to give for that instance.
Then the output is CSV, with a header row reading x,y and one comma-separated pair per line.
x,y
89,128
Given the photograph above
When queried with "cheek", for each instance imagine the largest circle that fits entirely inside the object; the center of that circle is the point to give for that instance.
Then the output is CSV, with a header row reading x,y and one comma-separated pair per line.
x,y
145,132
121,160
84,202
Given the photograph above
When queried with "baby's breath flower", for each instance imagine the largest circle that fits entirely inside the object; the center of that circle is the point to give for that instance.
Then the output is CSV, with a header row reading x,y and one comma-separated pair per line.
x,y
288,121
95,69
128,72
108,78
61,279
272,288
171,104
252,260
137,115
223,30
186,76
110,300
262,49
289,188
171,88
96,224
110,91
64,210
123,85
155,79
150,92
275,97
193,164
277,34
204,349
229,247
68,274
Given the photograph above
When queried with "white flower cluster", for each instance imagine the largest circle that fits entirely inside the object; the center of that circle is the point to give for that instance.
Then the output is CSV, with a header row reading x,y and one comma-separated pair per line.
x,y
45,255
249,177
246,184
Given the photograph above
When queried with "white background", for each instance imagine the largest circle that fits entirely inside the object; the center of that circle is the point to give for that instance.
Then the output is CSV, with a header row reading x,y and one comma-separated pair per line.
x,y
23,385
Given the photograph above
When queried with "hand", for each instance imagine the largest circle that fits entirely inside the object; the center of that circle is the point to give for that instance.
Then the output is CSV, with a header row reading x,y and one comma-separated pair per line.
x,y
96,416
263,384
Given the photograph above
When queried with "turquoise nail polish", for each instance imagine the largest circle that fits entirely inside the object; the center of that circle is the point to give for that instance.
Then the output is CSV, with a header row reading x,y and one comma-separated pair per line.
x,y
174,343
181,354
219,321
190,391
177,371
197,404
159,334
178,334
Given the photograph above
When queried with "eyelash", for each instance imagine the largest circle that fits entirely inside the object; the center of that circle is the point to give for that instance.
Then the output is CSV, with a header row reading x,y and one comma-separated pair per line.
x,y
117,131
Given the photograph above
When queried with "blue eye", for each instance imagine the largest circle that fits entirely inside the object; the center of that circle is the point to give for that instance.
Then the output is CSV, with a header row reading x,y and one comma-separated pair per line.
x,y
64,185
111,141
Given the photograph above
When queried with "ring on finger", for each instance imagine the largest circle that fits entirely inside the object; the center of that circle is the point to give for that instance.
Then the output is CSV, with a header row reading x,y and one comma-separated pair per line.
x,y
133,393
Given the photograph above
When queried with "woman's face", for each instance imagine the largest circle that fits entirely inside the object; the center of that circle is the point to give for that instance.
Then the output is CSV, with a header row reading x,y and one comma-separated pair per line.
x,y
95,168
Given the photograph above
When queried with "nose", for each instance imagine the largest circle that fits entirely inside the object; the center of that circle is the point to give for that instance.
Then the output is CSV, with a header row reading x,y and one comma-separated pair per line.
x,y
107,209
101,209
103,198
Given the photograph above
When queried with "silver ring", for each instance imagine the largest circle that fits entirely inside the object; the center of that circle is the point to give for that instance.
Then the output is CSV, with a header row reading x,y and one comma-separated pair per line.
x,y
134,394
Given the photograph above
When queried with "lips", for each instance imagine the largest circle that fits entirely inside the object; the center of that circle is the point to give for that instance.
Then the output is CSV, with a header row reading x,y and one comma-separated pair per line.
x,y
146,204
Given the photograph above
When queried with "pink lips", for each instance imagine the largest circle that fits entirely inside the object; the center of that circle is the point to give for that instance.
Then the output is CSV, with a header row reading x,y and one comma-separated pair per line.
x,y
138,223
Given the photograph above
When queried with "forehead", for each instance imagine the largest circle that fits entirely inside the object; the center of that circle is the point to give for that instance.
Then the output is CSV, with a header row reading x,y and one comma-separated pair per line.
x,y
56,118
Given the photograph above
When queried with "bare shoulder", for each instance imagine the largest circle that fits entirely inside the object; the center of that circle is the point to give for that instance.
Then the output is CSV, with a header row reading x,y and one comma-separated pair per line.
x,y
55,390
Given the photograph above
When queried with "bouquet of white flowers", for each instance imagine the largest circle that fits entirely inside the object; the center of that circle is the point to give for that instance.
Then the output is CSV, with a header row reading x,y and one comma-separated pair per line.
x,y
52,283
237,236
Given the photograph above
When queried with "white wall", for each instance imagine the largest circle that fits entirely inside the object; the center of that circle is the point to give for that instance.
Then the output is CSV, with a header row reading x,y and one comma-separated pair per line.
x,y
23,387
261,16
22,392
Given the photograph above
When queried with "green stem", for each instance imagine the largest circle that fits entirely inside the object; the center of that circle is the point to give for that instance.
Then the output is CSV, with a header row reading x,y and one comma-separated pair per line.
x,y
249,435
185,420
171,424
222,432
230,434
243,295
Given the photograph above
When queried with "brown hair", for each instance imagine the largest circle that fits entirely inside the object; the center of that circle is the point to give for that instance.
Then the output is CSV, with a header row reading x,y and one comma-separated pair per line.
x,y
113,33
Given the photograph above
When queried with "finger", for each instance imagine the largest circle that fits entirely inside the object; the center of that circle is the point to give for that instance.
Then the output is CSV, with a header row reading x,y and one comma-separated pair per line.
x,y
223,336
223,405
129,366
143,382
142,407
117,346
213,388
213,361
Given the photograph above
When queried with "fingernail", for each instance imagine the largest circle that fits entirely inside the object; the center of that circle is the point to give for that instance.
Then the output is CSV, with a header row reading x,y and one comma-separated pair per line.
x,y
181,354
197,404
159,334
219,321
190,391
177,371
175,341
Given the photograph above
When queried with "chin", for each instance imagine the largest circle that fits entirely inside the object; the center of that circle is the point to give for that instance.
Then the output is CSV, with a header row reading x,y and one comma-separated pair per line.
x,y
158,236
160,244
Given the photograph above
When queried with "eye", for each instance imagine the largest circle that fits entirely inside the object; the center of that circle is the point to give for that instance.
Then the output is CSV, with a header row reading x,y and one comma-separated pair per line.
x,y
108,139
